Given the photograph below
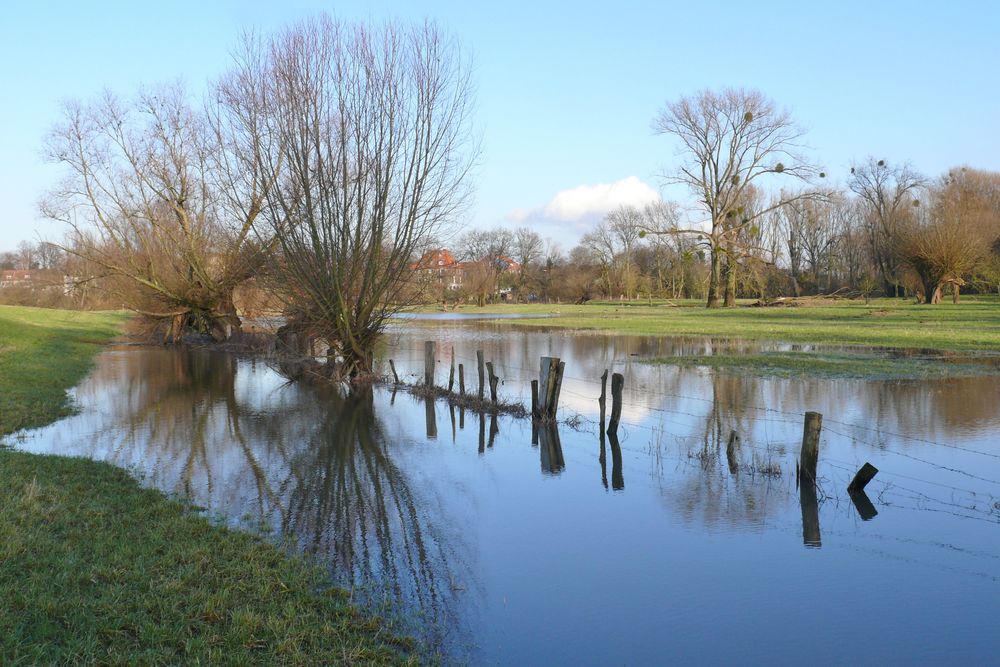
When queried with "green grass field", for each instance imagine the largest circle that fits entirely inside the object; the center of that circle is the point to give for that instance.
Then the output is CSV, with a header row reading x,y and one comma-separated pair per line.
x,y
971,326
96,570
42,353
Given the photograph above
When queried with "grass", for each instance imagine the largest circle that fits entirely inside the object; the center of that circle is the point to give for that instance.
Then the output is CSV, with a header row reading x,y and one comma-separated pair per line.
x,y
96,569
971,326
834,365
42,353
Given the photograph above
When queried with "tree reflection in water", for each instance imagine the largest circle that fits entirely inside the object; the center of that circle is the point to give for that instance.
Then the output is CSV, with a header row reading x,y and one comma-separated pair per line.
x,y
311,465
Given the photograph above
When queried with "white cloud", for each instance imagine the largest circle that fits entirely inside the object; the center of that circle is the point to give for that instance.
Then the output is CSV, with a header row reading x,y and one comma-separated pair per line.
x,y
595,201
573,212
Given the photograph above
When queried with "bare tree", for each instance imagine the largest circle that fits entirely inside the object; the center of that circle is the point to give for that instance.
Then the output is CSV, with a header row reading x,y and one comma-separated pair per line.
x,y
888,193
954,235
730,141
487,255
374,127
528,248
148,212
626,224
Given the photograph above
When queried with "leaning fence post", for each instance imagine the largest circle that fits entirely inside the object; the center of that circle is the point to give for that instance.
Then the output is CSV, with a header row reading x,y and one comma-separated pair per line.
x,y
479,365
617,384
861,479
494,380
809,457
429,349
461,380
395,377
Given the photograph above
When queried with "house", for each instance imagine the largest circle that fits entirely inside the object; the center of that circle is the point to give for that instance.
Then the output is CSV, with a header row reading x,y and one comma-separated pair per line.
x,y
440,266
17,278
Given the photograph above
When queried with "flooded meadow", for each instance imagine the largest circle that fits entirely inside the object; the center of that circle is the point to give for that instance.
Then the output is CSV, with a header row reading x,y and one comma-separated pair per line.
x,y
496,541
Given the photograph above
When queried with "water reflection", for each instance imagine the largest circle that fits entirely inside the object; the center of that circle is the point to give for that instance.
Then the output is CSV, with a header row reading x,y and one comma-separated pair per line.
x,y
477,546
313,466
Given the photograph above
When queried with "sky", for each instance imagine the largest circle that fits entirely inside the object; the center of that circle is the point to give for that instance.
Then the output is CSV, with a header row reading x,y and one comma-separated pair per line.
x,y
565,92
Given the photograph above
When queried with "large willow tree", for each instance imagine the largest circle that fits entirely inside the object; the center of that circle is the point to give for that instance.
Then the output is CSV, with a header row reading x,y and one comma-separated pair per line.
x,y
161,194
374,127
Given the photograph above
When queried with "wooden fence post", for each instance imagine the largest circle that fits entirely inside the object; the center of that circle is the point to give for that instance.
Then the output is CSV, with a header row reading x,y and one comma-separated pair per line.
x,y
534,399
617,384
451,373
549,386
494,380
809,457
603,400
429,350
392,367
479,364
861,479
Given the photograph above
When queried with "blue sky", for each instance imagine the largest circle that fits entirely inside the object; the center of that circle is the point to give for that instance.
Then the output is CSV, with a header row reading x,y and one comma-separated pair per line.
x,y
566,92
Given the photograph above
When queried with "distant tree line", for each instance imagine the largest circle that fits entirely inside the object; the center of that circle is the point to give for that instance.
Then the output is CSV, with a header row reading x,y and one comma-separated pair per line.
x,y
313,175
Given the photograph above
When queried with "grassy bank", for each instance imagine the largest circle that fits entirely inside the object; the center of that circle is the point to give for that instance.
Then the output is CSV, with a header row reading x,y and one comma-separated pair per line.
x,y
972,326
42,353
99,570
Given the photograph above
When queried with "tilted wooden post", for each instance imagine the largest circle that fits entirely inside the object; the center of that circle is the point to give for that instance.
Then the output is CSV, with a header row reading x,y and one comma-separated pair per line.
x,y
617,384
461,380
429,350
810,445
861,479
494,380
479,364
392,367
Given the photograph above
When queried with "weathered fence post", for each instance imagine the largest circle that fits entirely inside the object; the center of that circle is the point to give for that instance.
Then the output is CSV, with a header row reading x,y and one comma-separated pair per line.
x,y
429,350
617,384
603,400
549,387
494,380
392,367
809,457
451,373
861,479
461,380
479,364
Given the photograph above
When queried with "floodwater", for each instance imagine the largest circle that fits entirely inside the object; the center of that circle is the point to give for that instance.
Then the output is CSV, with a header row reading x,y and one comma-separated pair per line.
x,y
652,548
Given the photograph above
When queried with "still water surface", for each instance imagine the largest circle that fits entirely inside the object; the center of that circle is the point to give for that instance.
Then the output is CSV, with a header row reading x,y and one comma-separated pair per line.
x,y
651,550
